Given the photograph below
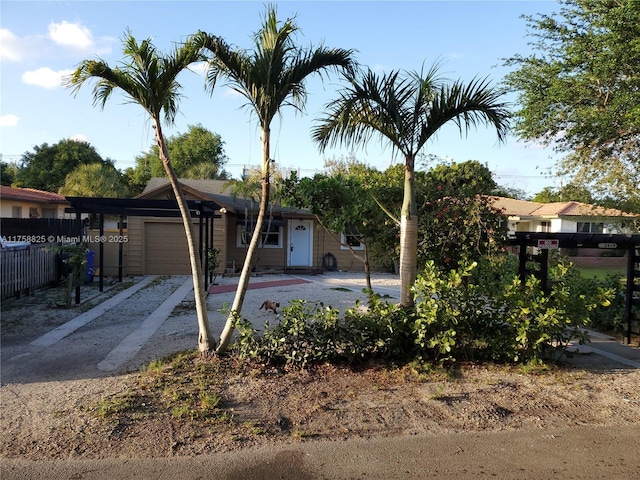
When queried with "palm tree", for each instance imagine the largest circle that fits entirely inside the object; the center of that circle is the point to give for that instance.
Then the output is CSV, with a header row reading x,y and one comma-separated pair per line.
x,y
148,78
269,77
407,110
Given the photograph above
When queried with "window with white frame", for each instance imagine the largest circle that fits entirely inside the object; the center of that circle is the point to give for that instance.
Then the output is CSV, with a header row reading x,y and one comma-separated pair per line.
x,y
351,241
545,226
590,227
16,211
269,239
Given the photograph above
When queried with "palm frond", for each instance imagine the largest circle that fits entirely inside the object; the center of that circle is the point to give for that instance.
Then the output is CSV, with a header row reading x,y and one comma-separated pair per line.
x,y
147,77
272,75
407,110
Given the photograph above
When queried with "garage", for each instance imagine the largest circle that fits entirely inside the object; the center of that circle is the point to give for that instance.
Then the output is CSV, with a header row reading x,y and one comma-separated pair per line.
x,y
166,251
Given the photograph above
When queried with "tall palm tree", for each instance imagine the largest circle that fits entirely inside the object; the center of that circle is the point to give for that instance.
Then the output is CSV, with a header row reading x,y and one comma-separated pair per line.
x,y
407,110
148,78
269,77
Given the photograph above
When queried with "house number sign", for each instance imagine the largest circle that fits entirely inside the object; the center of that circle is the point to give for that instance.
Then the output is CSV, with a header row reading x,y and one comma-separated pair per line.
x,y
548,244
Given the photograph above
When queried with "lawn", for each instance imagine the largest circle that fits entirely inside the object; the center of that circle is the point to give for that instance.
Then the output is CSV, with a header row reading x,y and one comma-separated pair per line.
x,y
601,273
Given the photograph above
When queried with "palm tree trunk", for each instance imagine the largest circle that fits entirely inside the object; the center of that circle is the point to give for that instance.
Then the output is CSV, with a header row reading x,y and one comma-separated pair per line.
x,y
205,342
243,282
408,236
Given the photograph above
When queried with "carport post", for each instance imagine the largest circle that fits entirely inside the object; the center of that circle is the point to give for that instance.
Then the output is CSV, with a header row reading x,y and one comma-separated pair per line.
x,y
120,247
203,256
522,264
628,308
206,255
101,248
79,219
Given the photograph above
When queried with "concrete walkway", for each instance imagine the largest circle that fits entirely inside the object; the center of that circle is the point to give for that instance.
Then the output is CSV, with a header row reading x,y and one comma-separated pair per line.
x,y
609,347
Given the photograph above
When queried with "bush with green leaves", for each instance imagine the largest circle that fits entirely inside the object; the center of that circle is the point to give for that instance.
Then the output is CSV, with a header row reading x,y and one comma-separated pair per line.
x,y
480,312
311,333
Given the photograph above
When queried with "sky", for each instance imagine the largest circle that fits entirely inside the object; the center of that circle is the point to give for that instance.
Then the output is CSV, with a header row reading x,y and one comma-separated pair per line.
x,y
41,42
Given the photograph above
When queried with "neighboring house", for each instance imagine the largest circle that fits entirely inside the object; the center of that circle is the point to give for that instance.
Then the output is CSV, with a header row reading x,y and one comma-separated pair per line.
x,y
294,240
31,203
563,217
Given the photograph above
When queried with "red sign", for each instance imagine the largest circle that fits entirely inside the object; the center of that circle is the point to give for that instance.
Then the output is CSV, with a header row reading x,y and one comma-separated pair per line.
x,y
549,244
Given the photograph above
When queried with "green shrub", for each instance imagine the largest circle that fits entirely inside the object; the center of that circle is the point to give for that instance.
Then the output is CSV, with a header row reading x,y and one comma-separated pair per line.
x,y
479,311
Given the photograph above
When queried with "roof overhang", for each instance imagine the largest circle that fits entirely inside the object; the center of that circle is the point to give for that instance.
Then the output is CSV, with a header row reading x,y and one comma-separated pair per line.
x,y
140,207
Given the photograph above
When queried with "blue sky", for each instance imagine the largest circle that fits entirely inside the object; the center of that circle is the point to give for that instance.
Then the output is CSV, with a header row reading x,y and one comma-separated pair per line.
x,y
42,41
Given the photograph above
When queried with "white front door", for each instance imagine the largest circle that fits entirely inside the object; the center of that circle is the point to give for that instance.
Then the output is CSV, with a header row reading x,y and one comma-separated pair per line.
x,y
300,243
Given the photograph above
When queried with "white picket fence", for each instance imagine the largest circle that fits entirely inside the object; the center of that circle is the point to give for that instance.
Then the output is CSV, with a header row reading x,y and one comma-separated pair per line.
x,y
26,270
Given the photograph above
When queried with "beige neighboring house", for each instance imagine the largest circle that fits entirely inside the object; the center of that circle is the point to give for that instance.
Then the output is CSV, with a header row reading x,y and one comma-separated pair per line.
x,y
294,242
563,217
31,203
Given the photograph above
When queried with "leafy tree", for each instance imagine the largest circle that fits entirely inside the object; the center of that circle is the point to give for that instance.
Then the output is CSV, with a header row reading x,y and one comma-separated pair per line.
x,y
459,230
407,111
567,193
460,179
198,153
457,223
94,180
148,78
8,173
580,91
269,77
48,165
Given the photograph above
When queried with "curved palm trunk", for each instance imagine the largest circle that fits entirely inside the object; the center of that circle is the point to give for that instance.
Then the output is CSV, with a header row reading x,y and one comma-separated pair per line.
x,y
408,236
205,342
243,282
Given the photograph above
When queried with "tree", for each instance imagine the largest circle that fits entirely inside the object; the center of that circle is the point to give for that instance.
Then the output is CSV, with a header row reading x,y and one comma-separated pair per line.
x,y
48,165
455,231
8,173
463,179
567,193
269,77
407,111
94,180
198,153
580,92
149,79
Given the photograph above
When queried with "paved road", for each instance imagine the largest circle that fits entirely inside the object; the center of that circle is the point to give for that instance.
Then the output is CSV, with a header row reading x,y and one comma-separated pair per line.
x,y
576,453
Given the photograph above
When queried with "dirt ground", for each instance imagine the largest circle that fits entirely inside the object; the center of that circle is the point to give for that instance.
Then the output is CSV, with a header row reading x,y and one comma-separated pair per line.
x,y
57,419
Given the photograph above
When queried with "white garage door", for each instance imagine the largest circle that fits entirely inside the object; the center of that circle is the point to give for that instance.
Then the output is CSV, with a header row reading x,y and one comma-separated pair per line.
x,y
166,251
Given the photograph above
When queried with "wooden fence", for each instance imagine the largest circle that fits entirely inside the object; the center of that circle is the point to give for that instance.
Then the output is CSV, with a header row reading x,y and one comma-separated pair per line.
x,y
26,270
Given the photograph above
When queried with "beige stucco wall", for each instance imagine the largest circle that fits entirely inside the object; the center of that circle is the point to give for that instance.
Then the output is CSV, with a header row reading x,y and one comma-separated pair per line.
x,y
6,209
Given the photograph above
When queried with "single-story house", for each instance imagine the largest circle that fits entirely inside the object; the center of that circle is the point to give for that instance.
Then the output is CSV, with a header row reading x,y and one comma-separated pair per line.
x,y
292,239
31,203
563,217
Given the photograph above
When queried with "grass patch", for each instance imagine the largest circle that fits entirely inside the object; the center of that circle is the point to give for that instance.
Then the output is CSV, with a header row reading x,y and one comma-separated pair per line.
x,y
182,386
601,273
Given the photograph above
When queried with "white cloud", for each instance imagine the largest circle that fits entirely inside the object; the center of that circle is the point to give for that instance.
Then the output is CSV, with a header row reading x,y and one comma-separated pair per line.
x,y
9,46
78,137
8,120
45,77
199,68
71,35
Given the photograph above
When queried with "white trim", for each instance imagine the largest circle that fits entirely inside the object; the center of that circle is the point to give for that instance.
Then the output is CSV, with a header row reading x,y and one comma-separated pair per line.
x,y
345,246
